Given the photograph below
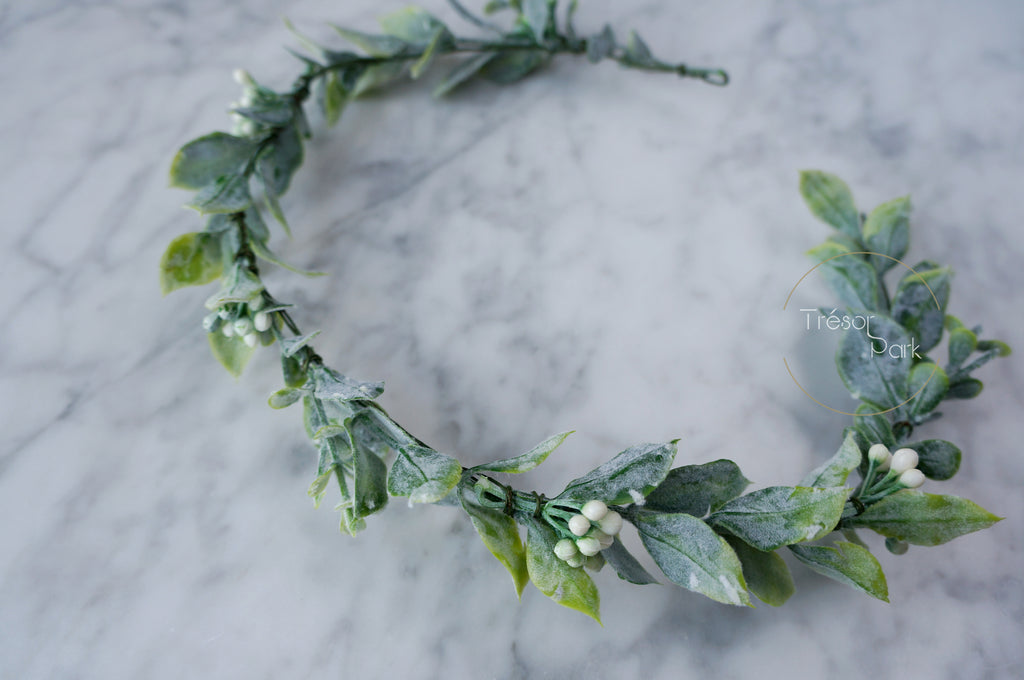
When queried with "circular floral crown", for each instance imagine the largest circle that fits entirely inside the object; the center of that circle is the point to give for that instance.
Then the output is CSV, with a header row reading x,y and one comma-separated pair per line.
x,y
696,522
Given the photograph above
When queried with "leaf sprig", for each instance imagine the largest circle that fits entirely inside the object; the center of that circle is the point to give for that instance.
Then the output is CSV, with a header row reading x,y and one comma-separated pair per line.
x,y
700,528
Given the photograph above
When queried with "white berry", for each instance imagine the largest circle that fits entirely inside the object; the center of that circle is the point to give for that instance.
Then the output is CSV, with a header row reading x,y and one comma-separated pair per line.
x,y
604,539
912,478
903,460
588,545
228,330
611,523
257,303
243,325
261,321
594,510
879,455
579,525
565,549
251,339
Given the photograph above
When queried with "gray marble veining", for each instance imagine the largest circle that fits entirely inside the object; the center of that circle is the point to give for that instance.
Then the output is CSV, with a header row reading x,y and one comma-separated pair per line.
x,y
593,250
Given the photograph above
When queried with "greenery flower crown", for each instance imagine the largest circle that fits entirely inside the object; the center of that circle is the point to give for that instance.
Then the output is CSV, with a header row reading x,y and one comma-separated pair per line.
x,y
699,527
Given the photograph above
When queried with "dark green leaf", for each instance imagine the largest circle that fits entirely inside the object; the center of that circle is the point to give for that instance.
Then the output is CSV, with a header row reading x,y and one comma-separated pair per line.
x,y
850,276
232,353
830,200
226,194
965,388
285,397
329,384
201,161
281,160
874,427
962,343
770,518
335,97
692,555
463,72
568,586
369,486
626,478
919,303
601,45
887,232
766,573
423,474
875,362
536,14
190,260
847,563
275,113
513,65
528,460
637,52
924,518
927,386
500,534
291,370
625,565
1000,347
239,285
836,469
698,489
374,45
937,458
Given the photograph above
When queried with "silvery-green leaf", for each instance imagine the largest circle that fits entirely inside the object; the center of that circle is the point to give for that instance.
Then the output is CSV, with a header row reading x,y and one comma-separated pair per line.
x,y
874,427
369,484
830,200
514,65
847,563
412,25
203,160
273,113
289,346
937,458
291,371
240,285
692,555
427,58
281,160
924,518
770,518
319,486
232,353
965,388
962,343
192,259
526,461
836,469
850,276
928,384
226,194
601,45
500,534
637,51
536,14
373,45
698,489
625,565
264,253
463,72
626,478
919,303
568,586
329,384
874,362
766,573
425,475
334,98
273,205
887,232
285,397
378,75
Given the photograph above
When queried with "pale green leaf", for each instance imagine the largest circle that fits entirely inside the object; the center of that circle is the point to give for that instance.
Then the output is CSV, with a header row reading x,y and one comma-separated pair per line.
x,y
412,25
202,161
874,362
626,478
919,303
526,461
264,253
463,73
500,534
937,458
847,563
232,353
625,565
514,65
374,45
239,285
329,384
887,232
836,469
285,397
192,259
568,586
830,200
226,194
770,518
425,475
924,518
850,276
536,14
928,385
289,346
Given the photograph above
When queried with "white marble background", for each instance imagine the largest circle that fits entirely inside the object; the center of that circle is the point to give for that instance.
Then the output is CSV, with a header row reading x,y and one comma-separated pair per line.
x,y
593,250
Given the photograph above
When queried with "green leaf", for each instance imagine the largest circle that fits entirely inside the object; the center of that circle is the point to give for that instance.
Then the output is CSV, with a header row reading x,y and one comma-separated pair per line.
x,y
285,397
412,25
625,565
874,362
601,45
226,194
427,58
937,458
232,353
830,201
698,489
528,460
273,206
463,73
962,343
847,563
887,231
692,555
965,388
919,303
274,112
851,277
329,384
770,518
568,586
924,518
289,346
202,161
766,573
377,76
264,253
369,486
874,427
373,45
514,65
278,164
637,52
190,260
1000,347
423,474
836,469
536,14
319,486
626,478
929,383
292,372
335,96
240,285
500,534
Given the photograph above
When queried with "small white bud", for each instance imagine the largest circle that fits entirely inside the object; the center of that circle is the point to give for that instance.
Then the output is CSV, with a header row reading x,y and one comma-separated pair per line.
x,y
594,510
579,525
243,325
228,330
912,478
257,303
251,339
611,523
261,321
224,313
903,460
211,322
588,545
604,539
243,78
879,455
565,549
576,561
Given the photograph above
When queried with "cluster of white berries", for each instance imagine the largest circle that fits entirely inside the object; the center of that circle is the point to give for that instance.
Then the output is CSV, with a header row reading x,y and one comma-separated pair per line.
x,y
901,465
247,321
244,126
595,528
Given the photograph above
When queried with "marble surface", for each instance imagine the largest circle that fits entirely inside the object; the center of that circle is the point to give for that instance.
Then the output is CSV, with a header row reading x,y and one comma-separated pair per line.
x,y
593,250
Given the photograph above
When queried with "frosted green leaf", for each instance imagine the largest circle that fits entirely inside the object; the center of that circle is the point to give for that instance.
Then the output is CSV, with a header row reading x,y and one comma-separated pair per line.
x,y
853,280
874,362
427,58
766,573
261,251
528,460
698,489
962,343
568,586
423,474
289,346
190,260
625,565
463,73
887,232
830,200
937,458
919,303
929,383
847,563
226,194
369,484
536,14
626,478
514,65
781,515
836,469
329,384
232,353
203,160
285,397
240,285
373,45
924,518
500,534
278,164
413,25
